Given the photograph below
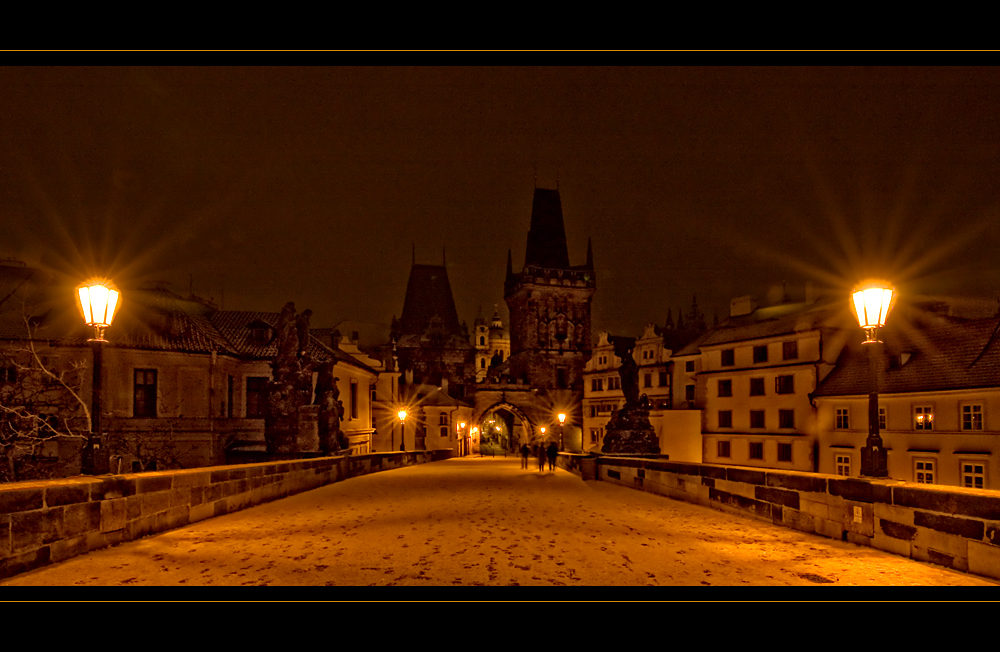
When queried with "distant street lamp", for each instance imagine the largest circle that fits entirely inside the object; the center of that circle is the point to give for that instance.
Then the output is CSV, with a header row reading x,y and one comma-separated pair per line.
x,y
871,304
99,301
562,429
402,429
461,438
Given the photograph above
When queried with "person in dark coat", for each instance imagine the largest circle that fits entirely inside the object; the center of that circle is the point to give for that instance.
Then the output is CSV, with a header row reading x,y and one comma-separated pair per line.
x,y
525,451
552,451
540,451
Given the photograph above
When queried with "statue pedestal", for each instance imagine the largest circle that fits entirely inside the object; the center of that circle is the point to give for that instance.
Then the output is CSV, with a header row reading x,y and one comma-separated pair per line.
x,y
630,433
307,434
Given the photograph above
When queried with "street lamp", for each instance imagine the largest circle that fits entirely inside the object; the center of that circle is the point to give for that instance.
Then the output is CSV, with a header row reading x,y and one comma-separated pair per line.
x,y
99,301
562,429
402,429
461,438
872,301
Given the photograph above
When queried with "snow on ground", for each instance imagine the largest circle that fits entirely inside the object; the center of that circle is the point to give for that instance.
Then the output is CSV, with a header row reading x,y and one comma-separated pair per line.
x,y
486,521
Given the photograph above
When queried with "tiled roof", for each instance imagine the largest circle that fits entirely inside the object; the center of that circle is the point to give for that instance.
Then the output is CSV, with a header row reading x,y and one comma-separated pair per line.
x,y
775,322
921,352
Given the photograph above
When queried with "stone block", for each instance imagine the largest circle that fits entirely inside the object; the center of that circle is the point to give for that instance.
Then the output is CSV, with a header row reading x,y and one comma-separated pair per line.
x,y
796,482
830,528
145,484
798,520
4,535
67,494
814,508
180,497
894,530
963,527
35,529
201,512
736,488
949,544
984,559
113,514
896,545
859,518
21,499
155,502
859,539
24,562
893,513
133,508
114,487
749,476
67,548
192,479
777,496
79,519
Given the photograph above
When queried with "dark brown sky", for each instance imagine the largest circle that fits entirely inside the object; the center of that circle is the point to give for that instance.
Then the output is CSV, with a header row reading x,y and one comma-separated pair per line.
x,y
311,184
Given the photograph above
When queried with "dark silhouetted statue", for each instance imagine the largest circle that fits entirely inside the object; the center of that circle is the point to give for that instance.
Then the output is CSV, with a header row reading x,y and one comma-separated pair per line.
x,y
629,431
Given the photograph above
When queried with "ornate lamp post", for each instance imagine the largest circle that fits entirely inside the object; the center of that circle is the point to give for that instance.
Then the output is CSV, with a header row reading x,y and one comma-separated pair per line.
x,y
99,301
871,304
562,428
402,429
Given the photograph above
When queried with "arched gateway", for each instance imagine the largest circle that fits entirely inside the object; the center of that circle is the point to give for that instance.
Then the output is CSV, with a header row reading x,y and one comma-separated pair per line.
x,y
510,416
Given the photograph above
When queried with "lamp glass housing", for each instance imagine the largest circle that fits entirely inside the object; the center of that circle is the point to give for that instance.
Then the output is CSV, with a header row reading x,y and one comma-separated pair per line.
x,y
99,302
871,304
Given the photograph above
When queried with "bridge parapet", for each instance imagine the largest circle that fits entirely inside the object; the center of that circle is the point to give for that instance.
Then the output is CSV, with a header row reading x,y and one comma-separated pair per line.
x,y
949,526
44,522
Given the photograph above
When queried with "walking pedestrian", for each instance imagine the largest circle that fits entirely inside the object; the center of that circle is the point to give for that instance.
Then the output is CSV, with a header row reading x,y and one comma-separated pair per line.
x,y
540,451
552,451
525,451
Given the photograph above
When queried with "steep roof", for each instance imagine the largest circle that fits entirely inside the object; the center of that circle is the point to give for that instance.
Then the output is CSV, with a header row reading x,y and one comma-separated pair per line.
x,y
921,352
428,296
547,233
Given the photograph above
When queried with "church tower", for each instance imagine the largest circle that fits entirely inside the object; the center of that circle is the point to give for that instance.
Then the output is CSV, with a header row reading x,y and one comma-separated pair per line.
x,y
549,303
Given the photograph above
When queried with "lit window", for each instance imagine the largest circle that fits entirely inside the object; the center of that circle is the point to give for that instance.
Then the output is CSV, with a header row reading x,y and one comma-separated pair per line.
x,y
843,419
923,417
923,471
972,417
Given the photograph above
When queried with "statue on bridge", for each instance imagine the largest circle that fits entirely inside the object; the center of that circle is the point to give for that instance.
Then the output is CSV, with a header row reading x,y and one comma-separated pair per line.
x,y
629,431
290,389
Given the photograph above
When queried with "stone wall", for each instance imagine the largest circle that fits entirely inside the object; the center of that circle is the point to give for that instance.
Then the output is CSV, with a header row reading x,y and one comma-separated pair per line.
x,y
950,526
48,521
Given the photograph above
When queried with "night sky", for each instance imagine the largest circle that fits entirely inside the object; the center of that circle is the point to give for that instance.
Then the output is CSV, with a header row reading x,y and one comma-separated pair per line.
x,y
257,186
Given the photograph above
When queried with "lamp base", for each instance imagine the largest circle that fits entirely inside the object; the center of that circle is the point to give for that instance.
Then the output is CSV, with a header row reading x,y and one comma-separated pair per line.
x,y
874,462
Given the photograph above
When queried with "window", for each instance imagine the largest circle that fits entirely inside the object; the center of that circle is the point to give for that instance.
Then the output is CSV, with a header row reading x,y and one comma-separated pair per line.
x,y
843,419
756,450
647,380
230,392
662,378
615,382
760,353
482,341
689,392
756,418
256,397
443,419
923,417
784,385
881,418
923,470
973,474
723,449
786,418
596,385
725,387
842,463
689,366
595,435
756,387
482,363
784,452
725,418
972,417
790,350
728,358
354,399
561,377
144,404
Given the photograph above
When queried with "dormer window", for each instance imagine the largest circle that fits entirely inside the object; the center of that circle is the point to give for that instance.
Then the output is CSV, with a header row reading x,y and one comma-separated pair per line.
x,y
259,333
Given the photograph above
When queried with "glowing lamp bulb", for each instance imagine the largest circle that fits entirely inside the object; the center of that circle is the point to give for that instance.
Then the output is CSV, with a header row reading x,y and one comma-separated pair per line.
x,y
402,415
562,418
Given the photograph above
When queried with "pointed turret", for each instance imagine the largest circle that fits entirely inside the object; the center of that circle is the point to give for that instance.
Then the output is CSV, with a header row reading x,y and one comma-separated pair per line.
x,y
590,255
547,234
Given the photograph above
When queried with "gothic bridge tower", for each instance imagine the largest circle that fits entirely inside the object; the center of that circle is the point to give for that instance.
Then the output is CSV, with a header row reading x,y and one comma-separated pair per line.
x,y
549,303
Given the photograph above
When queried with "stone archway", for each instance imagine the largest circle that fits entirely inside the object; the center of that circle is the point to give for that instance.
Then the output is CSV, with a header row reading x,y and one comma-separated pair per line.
x,y
504,426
